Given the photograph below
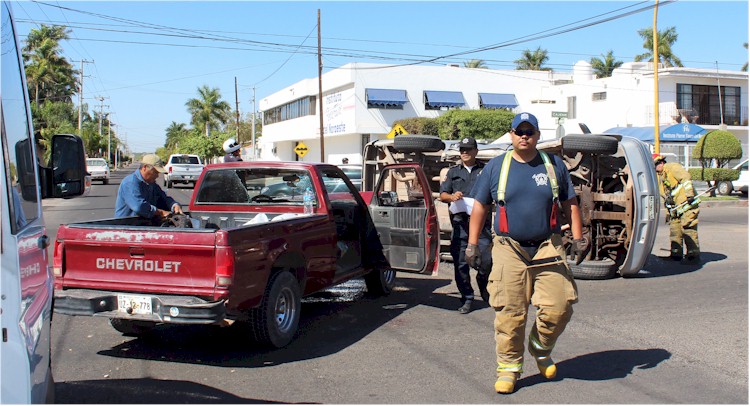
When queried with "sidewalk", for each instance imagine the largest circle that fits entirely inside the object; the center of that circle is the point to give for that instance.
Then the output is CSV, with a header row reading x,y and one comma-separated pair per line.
x,y
724,203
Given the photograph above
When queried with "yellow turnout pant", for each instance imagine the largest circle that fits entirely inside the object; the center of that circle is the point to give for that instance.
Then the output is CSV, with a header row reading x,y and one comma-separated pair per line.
x,y
546,283
684,228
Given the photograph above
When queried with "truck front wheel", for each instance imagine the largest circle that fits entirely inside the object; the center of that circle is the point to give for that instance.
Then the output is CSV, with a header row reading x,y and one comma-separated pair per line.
x,y
275,321
380,282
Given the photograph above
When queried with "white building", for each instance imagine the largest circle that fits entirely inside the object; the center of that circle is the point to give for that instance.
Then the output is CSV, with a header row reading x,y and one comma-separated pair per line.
x,y
362,101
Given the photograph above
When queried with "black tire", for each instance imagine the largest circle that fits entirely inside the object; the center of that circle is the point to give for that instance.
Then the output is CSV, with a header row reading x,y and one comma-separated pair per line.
x,y
132,327
418,143
593,270
105,182
593,144
276,320
724,188
169,184
380,282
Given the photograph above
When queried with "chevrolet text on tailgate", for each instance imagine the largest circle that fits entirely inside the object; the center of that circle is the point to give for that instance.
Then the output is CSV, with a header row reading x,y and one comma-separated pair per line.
x,y
247,257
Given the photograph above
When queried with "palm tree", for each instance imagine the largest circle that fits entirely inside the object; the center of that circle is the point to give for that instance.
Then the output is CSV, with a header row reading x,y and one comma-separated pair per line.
x,y
175,132
475,64
208,110
50,76
744,67
603,67
665,40
533,60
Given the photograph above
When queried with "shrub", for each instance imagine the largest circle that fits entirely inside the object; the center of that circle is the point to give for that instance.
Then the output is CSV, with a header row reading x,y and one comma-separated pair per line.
x,y
717,147
419,125
714,174
481,124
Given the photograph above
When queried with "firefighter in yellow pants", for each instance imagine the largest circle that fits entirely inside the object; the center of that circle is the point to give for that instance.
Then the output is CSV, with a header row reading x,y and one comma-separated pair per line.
x,y
546,283
676,189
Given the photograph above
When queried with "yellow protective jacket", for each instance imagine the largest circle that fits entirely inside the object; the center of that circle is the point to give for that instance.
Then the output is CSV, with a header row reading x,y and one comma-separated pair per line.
x,y
675,180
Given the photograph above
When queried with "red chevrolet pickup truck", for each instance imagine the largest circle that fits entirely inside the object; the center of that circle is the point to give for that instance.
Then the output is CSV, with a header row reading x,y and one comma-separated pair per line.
x,y
251,251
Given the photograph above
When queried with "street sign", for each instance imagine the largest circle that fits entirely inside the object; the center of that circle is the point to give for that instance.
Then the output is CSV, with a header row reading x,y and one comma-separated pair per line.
x,y
560,114
301,149
396,130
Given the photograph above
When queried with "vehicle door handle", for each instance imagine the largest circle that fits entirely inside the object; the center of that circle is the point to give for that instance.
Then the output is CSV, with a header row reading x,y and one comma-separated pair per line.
x,y
43,242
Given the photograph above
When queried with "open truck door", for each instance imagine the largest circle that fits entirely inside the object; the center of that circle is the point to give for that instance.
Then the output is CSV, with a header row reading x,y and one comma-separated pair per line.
x,y
404,214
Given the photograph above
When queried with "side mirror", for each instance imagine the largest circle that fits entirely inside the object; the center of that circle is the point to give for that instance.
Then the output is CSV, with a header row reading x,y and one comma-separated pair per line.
x,y
66,177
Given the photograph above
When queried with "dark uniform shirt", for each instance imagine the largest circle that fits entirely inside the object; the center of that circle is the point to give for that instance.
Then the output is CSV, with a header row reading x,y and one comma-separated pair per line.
x,y
458,179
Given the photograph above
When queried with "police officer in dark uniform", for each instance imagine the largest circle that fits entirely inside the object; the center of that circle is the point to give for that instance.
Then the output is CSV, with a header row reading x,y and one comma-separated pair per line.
x,y
457,185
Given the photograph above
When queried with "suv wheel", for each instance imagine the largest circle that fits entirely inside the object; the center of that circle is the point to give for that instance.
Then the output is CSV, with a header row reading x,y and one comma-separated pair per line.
x,y
593,144
724,188
418,143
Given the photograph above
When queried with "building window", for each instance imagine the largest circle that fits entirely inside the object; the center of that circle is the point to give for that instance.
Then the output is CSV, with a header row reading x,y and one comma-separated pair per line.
x,y
703,102
572,107
294,109
598,96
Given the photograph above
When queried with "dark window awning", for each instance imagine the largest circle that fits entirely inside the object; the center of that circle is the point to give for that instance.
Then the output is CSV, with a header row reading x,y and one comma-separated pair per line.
x,y
498,100
386,97
435,98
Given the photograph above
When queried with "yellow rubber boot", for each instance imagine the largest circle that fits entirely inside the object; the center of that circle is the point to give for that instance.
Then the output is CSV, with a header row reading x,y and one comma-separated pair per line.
x,y
506,382
547,367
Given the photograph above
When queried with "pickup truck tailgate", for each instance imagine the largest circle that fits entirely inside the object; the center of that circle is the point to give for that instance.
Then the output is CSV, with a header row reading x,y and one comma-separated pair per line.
x,y
180,261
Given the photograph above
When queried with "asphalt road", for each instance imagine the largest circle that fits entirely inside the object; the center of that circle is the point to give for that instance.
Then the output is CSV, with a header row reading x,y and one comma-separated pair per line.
x,y
675,334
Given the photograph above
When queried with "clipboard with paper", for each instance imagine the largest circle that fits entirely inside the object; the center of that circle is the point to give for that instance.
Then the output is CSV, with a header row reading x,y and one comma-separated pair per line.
x,y
463,205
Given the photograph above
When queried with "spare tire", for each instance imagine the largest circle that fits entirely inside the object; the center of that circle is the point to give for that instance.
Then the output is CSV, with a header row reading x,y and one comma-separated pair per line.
x,y
418,143
593,144
588,269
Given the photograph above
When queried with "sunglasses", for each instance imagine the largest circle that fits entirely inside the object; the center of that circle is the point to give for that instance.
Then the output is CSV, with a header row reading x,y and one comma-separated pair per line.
x,y
528,132
467,150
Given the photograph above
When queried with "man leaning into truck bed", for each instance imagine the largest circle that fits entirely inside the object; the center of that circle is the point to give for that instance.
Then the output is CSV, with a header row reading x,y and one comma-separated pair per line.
x,y
139,195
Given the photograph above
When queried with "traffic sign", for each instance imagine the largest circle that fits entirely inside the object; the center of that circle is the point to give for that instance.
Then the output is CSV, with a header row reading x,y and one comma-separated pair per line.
x,y
397,130
301,149
560,114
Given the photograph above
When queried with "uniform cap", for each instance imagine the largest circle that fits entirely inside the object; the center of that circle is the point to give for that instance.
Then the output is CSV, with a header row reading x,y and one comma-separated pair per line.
x,y
467,142
155,161
524,117
658,158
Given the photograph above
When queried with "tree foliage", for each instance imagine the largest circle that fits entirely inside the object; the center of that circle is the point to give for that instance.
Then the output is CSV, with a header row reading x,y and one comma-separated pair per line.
x,y
453,125
744,67
604,67
533,60
475,64
208,111
419,125
715,150
665,39
49,75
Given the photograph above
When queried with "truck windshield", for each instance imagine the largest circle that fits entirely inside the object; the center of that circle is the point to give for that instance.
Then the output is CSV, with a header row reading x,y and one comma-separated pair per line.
x,y
193,160
254,186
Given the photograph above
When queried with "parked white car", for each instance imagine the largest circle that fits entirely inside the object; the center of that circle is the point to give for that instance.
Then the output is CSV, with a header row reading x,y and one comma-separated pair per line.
x,y
98,168
741,184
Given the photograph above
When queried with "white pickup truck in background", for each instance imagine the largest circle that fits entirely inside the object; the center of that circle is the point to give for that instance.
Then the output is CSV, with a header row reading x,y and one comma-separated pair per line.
x,y
183,168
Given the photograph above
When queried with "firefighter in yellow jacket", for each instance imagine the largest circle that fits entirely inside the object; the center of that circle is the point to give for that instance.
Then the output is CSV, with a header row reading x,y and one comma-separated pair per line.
x,y
676,189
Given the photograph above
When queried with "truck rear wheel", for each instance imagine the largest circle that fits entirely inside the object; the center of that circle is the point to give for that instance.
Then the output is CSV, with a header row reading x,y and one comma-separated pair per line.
x,y
132,327
276,320
380,282
593,144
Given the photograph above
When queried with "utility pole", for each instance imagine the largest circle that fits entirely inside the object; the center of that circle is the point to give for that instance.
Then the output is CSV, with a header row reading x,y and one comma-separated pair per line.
x,y
721,107
655,39
255,156
320,94
80,100
101,114
109,141
237,109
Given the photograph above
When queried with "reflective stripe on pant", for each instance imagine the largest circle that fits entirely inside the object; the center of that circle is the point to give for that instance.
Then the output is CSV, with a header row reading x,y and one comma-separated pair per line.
x,y
462,271
513,285
684,228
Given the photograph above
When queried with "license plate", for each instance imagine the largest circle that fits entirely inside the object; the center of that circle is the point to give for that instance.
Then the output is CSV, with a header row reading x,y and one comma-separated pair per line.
x,y
138,304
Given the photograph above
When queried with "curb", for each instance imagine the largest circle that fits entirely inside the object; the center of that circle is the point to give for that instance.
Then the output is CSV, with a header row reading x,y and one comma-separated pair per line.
x,y
724,203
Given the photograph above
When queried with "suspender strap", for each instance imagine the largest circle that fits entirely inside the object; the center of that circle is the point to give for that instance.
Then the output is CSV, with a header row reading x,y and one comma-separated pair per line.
x,y
555,189
502,217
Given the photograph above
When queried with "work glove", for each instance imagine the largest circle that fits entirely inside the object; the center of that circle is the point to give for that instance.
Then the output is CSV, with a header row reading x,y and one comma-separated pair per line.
x,y
473,256
579,249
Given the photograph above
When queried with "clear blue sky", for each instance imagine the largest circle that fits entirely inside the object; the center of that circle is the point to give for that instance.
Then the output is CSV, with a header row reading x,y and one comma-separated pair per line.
x,y
149,58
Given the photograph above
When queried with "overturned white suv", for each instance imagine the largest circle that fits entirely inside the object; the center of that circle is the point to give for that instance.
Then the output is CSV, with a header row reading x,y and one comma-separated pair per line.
x,y
614,179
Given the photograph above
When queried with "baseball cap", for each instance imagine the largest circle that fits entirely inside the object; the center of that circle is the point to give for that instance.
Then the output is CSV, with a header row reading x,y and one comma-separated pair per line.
x,y
155,161
524,117
467,142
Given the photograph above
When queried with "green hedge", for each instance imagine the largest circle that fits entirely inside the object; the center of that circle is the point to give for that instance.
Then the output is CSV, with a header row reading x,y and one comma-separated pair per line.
x,y
419,125
481,124
714,174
